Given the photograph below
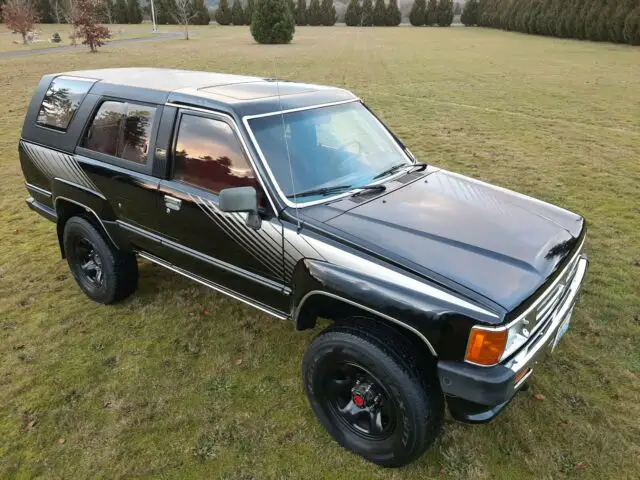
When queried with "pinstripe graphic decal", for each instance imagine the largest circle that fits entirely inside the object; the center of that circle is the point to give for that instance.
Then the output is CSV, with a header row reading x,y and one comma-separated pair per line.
x,y
277,252
54,164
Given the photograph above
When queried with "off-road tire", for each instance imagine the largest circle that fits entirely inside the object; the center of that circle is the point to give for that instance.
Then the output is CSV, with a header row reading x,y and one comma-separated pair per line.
x,y
407,376
119,277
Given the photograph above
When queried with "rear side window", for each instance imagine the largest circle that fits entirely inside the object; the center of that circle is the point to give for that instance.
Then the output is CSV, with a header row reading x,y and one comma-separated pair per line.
x,y
64,96
208,155
121,130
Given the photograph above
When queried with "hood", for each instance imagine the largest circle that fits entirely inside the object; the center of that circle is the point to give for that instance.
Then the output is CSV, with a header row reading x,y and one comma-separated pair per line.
x,y
498,243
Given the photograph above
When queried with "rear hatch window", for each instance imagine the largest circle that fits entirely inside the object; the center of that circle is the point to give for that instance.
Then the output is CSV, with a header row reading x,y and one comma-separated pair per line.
x,y
64,96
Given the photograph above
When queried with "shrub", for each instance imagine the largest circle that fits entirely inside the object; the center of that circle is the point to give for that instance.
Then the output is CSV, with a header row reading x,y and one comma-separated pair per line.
x,y
314,13
353,14
470,13
223,13
248,12
379,14
416,16
237,14
445,13
632,27
431,13
200,13
329,16
301,13
367,13
394,17
272,22
55,38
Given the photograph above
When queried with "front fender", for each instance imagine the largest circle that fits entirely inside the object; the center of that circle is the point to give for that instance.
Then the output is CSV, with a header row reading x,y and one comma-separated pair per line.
x,y
434,314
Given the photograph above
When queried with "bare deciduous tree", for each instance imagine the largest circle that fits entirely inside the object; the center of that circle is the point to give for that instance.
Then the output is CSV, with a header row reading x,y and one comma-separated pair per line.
x,y
85,21
184,15
20,15
57,10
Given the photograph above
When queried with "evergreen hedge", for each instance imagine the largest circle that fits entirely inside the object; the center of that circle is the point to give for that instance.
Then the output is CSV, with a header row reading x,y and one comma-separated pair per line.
x,y
597,20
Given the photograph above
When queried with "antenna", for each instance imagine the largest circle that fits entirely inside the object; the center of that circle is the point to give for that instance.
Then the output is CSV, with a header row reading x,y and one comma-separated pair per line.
x,y
284,137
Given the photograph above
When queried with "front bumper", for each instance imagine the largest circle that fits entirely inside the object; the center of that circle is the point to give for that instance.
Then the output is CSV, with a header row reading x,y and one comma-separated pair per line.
x,y
476,394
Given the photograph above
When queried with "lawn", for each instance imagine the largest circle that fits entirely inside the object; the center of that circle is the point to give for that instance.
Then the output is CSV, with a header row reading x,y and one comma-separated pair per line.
x,y
180,382
10,42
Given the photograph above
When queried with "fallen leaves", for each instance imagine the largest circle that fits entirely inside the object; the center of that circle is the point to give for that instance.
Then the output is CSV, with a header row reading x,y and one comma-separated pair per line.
x,y
539,396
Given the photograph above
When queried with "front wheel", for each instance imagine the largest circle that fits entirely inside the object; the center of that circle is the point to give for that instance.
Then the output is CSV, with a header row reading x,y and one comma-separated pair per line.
x,y
371,392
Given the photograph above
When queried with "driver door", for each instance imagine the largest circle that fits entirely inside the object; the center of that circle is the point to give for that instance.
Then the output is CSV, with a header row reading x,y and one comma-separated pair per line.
x,y
200,238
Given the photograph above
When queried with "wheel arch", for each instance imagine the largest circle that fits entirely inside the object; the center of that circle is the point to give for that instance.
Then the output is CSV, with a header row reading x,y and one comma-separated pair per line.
x,y
319,303
67,208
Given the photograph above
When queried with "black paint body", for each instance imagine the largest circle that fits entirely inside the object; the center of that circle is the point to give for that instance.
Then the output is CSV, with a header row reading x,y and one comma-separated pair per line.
x,y
487,250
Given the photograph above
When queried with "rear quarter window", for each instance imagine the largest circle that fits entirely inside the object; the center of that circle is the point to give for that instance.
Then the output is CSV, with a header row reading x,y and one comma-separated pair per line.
x,y
60,103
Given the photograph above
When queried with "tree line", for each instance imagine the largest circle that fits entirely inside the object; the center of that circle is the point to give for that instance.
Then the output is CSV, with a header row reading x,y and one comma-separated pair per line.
x,y
598,20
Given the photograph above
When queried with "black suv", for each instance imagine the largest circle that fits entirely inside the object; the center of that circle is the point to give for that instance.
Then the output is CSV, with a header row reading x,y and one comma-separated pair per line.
x,y
297,200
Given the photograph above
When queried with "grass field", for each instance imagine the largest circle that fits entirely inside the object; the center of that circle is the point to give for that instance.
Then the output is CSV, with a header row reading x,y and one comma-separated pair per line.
x,y
118,32
179,382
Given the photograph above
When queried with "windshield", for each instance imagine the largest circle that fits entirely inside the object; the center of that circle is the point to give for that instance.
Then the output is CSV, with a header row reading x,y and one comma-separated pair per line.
x,y
332,149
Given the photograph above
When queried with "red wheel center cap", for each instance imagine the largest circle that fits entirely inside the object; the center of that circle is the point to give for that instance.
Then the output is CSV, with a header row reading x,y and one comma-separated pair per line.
x,y
358,400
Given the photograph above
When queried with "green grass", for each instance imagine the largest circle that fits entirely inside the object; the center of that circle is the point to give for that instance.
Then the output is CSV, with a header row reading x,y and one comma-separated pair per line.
x,y
180,382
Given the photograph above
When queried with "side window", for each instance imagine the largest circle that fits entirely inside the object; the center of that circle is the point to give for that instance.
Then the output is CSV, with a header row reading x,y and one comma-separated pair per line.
x,y
104,132
208,155
64,96
121,130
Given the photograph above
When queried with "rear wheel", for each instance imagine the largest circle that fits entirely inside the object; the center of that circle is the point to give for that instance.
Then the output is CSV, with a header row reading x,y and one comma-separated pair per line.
x,y
372,393
104,273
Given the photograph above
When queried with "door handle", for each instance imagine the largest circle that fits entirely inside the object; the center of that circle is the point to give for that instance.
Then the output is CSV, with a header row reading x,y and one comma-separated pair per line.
x,y
172,203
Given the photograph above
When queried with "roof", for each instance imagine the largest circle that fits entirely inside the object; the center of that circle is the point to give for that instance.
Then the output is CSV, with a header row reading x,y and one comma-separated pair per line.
x,y
244,95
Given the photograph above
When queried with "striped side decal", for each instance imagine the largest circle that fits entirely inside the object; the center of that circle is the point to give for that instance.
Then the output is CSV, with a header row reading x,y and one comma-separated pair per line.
x,y
54,164
263,245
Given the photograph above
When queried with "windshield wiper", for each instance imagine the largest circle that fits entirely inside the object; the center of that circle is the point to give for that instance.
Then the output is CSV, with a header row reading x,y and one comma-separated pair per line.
x,y
335,189
321,191
419,167
378,187
391,170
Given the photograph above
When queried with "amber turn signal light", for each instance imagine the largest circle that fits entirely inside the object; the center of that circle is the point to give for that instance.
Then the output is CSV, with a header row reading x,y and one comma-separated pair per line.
x,y
485,347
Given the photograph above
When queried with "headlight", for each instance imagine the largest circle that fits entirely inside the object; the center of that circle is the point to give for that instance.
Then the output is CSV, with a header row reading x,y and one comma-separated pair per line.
x,y
489,346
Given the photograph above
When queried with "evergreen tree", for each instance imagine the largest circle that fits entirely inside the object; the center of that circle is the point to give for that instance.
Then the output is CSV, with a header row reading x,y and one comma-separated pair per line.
x,y
223,13
120,11
632,27
616,26
46,13
248,12
470,13
329,16
394,17
591,20
431,13
134,13
314,13
445,13
301,12
292,8
353,14
416,16
237,14
379,14
367,13
272,22
165,12
200,12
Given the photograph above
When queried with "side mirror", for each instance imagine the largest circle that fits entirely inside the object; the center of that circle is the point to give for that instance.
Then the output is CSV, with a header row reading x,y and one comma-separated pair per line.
x,y
241,199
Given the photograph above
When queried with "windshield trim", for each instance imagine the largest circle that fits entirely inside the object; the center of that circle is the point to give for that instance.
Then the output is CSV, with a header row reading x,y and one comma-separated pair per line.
x,y
265,164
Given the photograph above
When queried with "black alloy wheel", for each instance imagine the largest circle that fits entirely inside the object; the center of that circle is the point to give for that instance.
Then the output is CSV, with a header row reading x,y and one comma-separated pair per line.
x,y
104,273
373,391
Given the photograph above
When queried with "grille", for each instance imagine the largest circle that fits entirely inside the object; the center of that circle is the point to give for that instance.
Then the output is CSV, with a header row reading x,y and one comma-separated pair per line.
x,y
552,298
